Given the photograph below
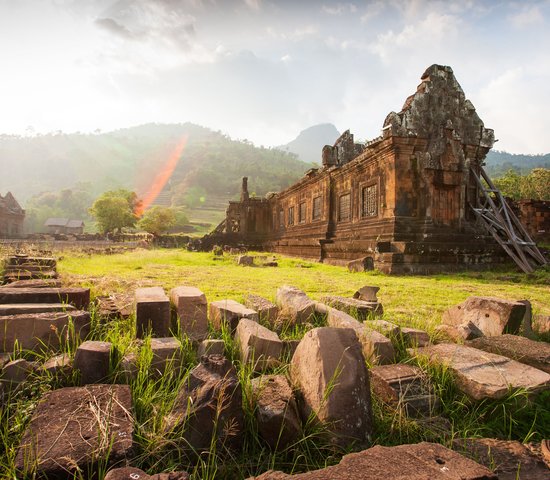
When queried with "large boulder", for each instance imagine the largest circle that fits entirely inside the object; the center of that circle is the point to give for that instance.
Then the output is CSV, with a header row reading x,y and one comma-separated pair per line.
x,y
75,429
421,461
258,344
329,369
295,305
208,408
276,411
376,347
492,316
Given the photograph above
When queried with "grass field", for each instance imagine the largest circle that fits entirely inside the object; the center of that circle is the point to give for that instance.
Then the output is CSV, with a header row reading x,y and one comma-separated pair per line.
x,y
408,300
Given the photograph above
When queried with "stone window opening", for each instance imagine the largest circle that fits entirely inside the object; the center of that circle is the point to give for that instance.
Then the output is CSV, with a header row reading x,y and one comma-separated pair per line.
x,y
302,210
317,210
369,201
281,218
344,207
291,215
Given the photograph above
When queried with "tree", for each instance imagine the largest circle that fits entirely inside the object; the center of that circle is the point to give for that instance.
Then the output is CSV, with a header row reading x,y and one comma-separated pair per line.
x,y
157,220
535,185
114,210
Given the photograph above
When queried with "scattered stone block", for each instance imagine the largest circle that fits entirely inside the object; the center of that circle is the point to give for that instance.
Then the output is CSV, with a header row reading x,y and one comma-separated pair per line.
x,y
211,346
74,428
295,305
28,308
485,375
329,369
191,309
93,360
492,316
60,365
79,297
367,293
132,473
276,411
17,371
404,386
267,311
258,344
229,312
376,347
421,461
524,350
364,264
510,460
386,328
166,354
115,306
246,260
541,324
152,312
35,331
359,309
412,337
35,283
209,405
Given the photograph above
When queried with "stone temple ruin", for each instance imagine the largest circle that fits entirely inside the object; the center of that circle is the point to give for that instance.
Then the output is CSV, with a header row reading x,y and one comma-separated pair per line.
x,y
411,200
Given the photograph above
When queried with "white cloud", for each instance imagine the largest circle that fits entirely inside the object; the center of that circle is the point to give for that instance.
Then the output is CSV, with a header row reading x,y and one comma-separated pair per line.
x,y
373,10
339,9
253,4
526,17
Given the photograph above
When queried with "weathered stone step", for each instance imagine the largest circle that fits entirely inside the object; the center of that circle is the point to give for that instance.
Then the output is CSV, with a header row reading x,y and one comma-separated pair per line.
x,y
27,308
34,330
524,350
34,283
25,276
74,428
79,297
22,260
421,461
485,375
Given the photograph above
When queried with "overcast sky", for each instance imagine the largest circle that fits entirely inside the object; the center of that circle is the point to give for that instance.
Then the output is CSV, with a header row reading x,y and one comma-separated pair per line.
x,y
266,69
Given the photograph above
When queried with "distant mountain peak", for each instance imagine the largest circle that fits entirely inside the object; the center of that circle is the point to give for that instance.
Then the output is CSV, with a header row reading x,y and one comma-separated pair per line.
x,y
309,143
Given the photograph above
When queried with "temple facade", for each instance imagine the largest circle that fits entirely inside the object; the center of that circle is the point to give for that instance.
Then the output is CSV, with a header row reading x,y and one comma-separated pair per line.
x,y
402,200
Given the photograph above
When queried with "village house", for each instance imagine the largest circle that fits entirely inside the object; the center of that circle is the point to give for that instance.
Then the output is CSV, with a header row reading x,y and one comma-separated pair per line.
x,y
407,201
12,217
64,226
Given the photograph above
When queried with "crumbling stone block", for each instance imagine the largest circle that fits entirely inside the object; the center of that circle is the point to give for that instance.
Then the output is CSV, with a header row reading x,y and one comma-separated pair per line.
x,y
267,311
329,369
419,461
34,331
78,297
524,350
191,309
386,328
363,264
295,305
492,316
93,360
152,312
246,260
75,428
166,354
276,411
404,386
129,367
412,337
17,371
258,344
209,407
485,375
367,293
376,347
132,473
229,312
60,365
359,309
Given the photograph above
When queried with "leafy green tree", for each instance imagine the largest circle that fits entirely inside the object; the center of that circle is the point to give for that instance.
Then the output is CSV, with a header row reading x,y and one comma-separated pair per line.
x,y
157,220
535,185
115,210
